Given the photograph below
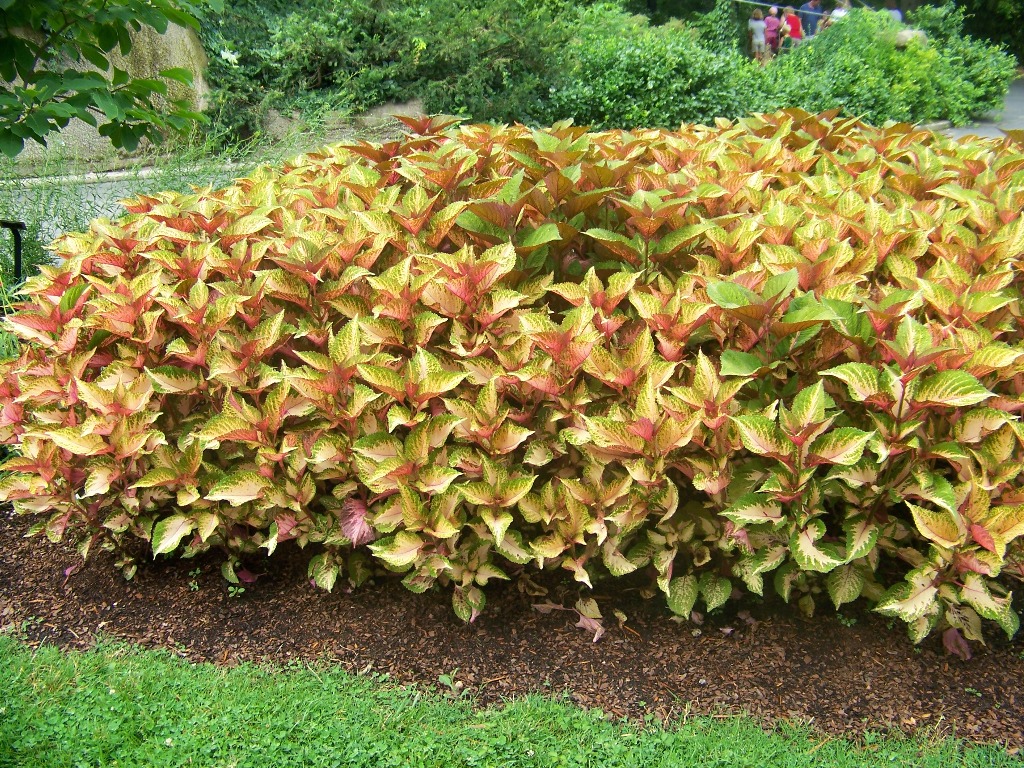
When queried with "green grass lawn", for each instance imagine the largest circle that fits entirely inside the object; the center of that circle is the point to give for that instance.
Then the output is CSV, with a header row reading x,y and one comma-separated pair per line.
x,y
120,706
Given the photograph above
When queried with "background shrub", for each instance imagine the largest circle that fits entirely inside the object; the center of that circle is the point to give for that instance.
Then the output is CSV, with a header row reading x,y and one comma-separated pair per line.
x,y
540,61
619,71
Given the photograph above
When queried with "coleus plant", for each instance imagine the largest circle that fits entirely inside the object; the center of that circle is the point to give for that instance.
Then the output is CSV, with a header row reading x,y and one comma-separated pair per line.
x,y
787,348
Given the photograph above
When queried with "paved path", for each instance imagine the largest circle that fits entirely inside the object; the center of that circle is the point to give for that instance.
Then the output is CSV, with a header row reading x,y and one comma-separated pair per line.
x,y
1011,118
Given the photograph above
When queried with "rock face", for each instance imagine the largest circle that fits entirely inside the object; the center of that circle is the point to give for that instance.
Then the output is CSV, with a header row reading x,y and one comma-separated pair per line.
x,y
151,53
904,36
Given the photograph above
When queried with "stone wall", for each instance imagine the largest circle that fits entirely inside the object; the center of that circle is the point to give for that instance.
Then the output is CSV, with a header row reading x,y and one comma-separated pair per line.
x,y
151,53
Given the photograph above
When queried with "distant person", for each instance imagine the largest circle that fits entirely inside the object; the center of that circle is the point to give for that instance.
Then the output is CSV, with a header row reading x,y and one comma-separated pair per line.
x,y
896,13
772,22
756,32
842,9
810,15
793,33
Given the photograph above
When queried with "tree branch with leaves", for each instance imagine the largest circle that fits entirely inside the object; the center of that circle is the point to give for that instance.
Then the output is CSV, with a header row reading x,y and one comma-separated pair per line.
x,y
46,47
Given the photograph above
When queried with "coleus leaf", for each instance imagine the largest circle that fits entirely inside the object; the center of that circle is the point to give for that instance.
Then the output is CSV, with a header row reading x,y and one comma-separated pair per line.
x,y
400,551
170,379
714,589
354,523
845,584
976,593
753,509
862,379
950,388
237,488
682,595
810,555
912,599
762,436
945,527
168,533
843,446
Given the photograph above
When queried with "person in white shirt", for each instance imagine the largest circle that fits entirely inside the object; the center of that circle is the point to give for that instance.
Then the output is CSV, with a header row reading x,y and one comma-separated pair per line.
x,y
896,13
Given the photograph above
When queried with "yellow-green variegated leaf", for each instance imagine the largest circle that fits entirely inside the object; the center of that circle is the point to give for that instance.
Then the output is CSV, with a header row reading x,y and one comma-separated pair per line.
x,y
979,423
913,598
845,584
483,494
809,405
616,562
682,595
157,477
762,436
976,593
168,533
861,379
944,527
239,488
508,437
844,446
956,389
71,439
754,509
511,547
435,479
715,589
861,536
497,522
809,554
400,551
1005,524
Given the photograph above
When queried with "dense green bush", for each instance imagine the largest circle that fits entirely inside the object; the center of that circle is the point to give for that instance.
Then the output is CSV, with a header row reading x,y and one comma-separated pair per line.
x,y
621,72
787,353
856,66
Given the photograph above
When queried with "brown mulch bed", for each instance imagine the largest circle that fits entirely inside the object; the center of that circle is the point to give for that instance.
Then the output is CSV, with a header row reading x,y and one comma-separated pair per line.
x,y
756,657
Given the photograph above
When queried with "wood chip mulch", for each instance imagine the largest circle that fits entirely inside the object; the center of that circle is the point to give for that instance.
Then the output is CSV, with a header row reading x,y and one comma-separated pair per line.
x,y
762,658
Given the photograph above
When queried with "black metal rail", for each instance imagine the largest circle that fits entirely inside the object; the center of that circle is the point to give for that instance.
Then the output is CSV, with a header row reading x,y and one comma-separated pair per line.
x,y
16,227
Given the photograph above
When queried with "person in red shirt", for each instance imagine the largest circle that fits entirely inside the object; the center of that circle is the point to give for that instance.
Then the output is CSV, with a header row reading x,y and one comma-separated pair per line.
x,y
792,21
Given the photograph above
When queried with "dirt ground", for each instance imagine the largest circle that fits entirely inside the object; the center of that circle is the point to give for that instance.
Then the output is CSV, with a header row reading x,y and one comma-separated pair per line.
x,y
844,675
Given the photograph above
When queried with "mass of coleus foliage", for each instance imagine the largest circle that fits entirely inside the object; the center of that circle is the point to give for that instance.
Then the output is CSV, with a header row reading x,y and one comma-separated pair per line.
x,y
784,354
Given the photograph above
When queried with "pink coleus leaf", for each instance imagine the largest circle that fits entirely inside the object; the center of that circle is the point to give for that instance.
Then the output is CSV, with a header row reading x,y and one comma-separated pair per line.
x,y
981,535
955,644
354,524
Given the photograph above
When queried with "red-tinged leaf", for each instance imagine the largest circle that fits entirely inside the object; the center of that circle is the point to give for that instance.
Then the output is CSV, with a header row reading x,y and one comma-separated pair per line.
x,y
955,644
354,524
981,535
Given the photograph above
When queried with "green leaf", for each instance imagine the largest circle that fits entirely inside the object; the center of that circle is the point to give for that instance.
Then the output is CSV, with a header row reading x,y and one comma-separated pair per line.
x,y
682,595
845,584
740,363
715,589
951,388
168,533
731,295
